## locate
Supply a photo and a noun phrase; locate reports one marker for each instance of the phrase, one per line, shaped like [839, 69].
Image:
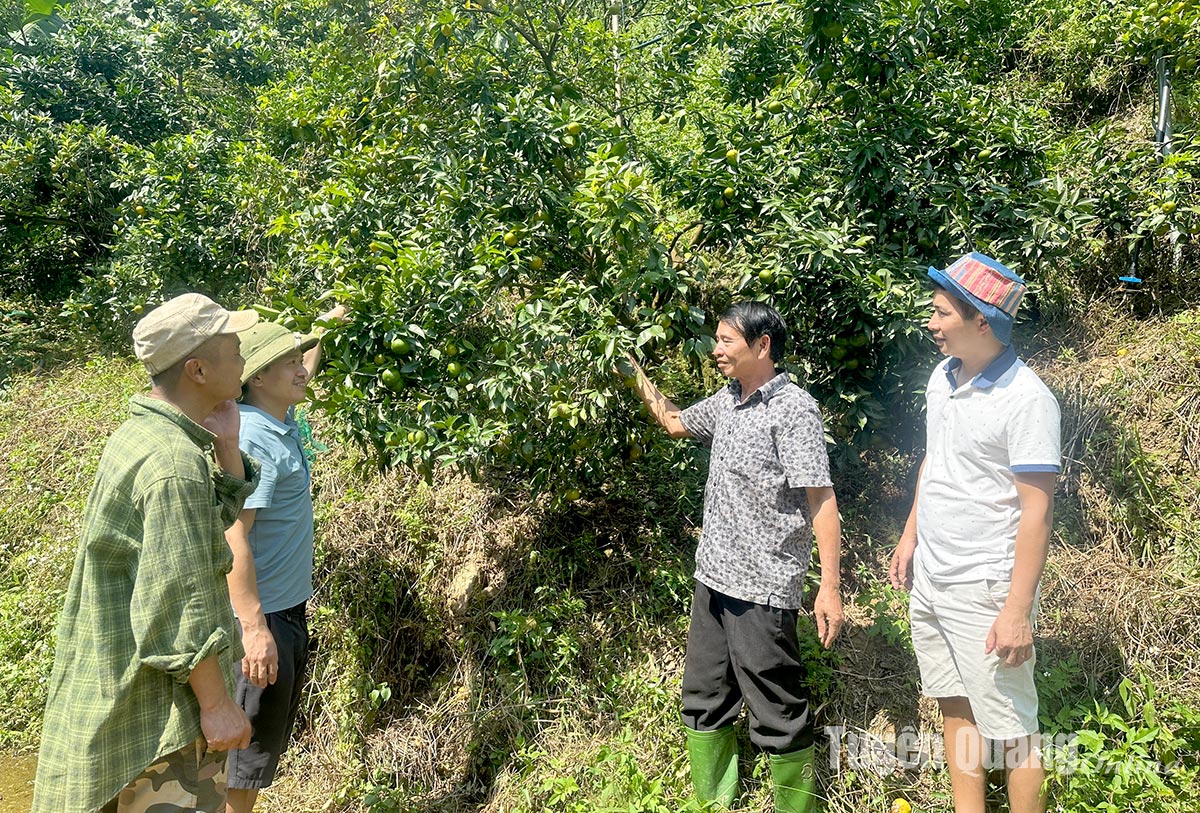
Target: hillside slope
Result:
[477, 651]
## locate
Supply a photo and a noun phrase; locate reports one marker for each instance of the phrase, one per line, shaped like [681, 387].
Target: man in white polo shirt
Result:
[973, 549]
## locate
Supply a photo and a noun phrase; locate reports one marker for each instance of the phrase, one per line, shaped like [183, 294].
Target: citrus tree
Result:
[511, 195]
[123, 147]
[831, 153]
[500, 250]
[505, 223]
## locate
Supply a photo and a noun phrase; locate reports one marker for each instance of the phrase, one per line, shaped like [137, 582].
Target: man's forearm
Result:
[827, 530]
[910, 525]
[207, 683]
[662, 409]
[312, 356]
[1032, 546]
[1036, 493]
[312, 359]
[243, 578]
[222, 721]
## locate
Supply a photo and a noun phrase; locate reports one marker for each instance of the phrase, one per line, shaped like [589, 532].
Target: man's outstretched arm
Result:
[663, 410]
[312, 356]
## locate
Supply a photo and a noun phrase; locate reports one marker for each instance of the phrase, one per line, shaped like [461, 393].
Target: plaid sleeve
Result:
[176, 608]
[232, 491]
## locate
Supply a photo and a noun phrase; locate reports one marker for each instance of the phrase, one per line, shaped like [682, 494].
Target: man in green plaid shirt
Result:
[140, 710]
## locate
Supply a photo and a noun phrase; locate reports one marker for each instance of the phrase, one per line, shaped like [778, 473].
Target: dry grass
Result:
[1124, 577]
[435, 556]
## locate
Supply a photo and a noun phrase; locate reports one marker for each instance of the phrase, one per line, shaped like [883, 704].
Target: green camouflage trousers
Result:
[181, 782]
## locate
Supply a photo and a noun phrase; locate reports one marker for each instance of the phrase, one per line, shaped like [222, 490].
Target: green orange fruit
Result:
[392, 379]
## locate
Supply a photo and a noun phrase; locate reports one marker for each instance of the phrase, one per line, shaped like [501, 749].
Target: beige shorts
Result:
[950, 625]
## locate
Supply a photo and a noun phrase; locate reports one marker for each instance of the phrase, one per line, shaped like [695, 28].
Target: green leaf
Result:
[38, 9]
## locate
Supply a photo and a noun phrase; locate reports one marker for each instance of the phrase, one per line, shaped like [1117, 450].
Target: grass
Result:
[478, 651]
[52, 430]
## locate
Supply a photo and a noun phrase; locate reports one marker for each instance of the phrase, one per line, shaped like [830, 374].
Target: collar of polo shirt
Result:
[990, 375]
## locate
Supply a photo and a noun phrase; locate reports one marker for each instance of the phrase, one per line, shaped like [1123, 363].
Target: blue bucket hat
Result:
[993, 288]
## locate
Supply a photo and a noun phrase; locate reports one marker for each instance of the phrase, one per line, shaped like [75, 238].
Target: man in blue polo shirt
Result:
[973, 549]
[272, 544]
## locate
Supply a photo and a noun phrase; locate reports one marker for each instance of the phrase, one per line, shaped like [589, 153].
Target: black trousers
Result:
[739, 651]
[272, 710]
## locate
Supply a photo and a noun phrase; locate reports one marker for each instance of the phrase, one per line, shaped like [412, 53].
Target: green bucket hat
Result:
[268, 342]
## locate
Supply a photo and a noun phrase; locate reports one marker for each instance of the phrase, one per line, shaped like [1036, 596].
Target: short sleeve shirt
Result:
[980, 435]
[757, 537]
[281, 539]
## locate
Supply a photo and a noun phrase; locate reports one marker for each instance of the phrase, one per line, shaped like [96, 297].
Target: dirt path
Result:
[16, 782]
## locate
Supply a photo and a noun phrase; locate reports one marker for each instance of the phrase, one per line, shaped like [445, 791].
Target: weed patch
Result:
[52, 430]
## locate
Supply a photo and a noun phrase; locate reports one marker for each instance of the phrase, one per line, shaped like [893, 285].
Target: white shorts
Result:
[950, 625]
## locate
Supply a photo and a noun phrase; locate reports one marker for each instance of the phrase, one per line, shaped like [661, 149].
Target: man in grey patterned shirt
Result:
[768, 494]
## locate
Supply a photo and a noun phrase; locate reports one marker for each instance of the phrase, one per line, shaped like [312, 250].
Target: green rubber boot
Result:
[713, 756]
[795, 779]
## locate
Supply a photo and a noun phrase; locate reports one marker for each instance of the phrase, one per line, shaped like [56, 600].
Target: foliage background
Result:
[509, 196]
